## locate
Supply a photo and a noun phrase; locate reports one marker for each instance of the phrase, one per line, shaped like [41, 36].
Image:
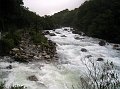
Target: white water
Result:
[66, 73]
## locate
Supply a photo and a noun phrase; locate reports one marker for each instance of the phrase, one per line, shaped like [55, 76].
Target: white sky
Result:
[49, 7]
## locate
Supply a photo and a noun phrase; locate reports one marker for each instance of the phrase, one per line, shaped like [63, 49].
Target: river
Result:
[64, 74]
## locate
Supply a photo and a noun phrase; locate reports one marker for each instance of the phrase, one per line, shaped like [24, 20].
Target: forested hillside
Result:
[97, 18]
[16, 20]
[13, 15]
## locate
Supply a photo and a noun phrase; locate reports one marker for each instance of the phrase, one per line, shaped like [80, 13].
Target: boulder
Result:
[44, 53]
[77, 32]
[84, 50]
[35, 57]
[9, 67]
[102, 43]
[21, 49]
[100, 59]
[57, 32]
[21, 58]
[52, 34]
[39, 46]
[116, 46]
[88, 56]
[46, 33]
[78, 38]
[65, 29]
[32, 78]
[63, 36]
[83, 34]
[30, 55]
[47, 56]
[74, 32]
[71, 28]
[15, 49]
[33, 46]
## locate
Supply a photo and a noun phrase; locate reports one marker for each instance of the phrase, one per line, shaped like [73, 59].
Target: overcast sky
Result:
[48, 7]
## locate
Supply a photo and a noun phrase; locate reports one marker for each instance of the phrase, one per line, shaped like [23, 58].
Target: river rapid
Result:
[64, 74]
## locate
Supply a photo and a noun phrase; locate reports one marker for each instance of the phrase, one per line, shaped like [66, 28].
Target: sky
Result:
[49, 7]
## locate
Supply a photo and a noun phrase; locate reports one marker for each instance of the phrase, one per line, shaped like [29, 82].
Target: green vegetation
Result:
[2, 86]
[97, 18]
[17, 16]
[13, 17]
[38, 38]
[99, 76]
[9, 41]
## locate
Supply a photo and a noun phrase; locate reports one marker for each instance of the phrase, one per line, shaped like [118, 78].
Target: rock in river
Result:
[9, 67]
[52, 34]
[32, 78]
[84, 50]
[102, 43]
[100, 59]
[116, 46]
[63, 36]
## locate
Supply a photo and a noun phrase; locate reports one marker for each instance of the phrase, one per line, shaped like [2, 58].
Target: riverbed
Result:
[66, 72]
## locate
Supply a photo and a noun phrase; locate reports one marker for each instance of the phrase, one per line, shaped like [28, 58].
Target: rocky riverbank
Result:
[29, 51]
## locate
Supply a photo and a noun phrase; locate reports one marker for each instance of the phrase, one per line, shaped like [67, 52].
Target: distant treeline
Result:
[97, 18]
[13, 15]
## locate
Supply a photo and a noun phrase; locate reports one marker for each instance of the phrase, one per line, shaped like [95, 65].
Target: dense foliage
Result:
[13, 15]
[97, 18]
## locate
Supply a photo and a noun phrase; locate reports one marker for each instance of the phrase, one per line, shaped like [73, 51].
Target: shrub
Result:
[100, 76]
[38, 38]
[6, 45]
[2, 86]
[9, 41]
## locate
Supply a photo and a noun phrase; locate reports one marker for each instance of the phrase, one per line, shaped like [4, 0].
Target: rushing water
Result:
[64, 74]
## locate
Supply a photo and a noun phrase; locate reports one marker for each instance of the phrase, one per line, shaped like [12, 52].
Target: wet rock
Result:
[102, 43]
[46, 33]
[21, 49]
[88, 56]
[21, 58]
[84, 50]
[77, 32]
[52, 34]
[31, 56]
[32, 78]
[83, 34]
[38, 46]
[33, 46]
[74, 32]
[44, 53]
[35, 57]
[63, 36]
[116, 46]
[41, 85]
[78, 38]
[24, 56]
[15, 49]
[100, 59]
[57, 32]
[65, 29]
[9, 67]
[71, 28]
[47, 56]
